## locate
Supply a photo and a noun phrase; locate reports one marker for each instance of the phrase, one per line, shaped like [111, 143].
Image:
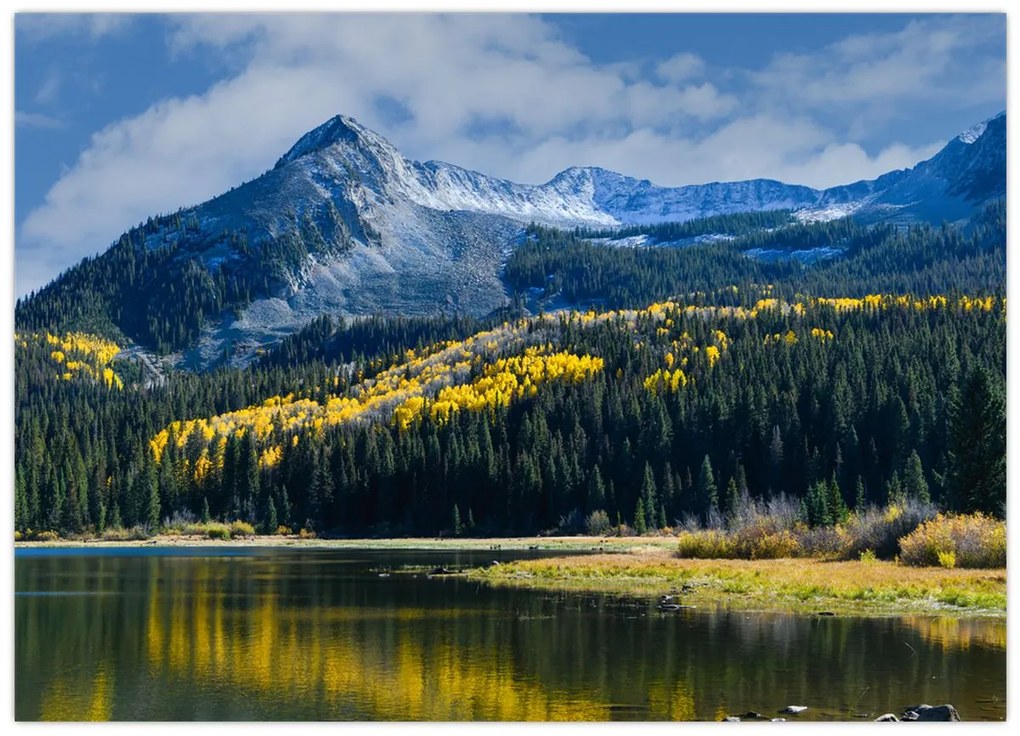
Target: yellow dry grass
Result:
[787, 584]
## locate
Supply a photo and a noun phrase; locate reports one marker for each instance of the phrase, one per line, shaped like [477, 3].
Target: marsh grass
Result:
[877, 587]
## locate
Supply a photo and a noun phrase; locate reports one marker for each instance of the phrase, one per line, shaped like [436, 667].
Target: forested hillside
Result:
[857, 260]
[653, 415]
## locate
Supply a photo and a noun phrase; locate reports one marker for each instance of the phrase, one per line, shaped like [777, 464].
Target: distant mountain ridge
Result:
[344, 223]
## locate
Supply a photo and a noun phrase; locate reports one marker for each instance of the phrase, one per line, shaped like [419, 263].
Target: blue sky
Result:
[120, 117]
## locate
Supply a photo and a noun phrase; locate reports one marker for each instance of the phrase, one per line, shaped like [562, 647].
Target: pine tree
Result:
[706, 495]
[596, 491]
[648, 494]
[640, 526]
[115, 520]
[271, 522]
[815, 505]
[205, 517]
[776, 460]
[915, 485]
[894, 490]
[457, 528]
[732, 497]
[860, 499]
[834, 505]
[977, 447]
[150, 514]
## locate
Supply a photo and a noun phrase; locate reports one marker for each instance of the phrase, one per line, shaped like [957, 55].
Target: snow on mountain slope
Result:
[344, 223]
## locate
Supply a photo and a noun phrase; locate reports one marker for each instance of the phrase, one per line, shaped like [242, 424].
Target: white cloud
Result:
[681, 67]
[23, 119]
[49, 89]
[551, 107]
[34, 27]
[922, 62]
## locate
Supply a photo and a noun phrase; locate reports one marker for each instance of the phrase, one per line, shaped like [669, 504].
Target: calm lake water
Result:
[214, 634]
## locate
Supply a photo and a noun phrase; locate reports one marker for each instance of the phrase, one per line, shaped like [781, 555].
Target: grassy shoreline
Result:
[646, 567]
[798, 585]
[572, 544]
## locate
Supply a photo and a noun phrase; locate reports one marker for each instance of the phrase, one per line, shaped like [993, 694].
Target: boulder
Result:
[794, 709]
[887, 718]
[731, 719]
[930, 713]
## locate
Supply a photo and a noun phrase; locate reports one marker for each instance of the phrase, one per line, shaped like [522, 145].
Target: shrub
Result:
[822, 541]
[241, 529]
[968, 540]
[177, 523]
[215, 530]
[597, 524]
[868, 556]
[780, 512]
[47, 536]
[306, 533]
[705, 544]
[762, 542]
[194, 530]
[284, 531]
[120, 534]
[880, 530]
[571, 523]
[17, 536]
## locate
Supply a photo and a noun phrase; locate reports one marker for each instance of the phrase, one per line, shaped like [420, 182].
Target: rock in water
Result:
[794, 709]
[931, 713]
[731, 719]
[887, 718]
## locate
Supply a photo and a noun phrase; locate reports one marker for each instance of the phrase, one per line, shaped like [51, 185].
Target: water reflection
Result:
[323, 636]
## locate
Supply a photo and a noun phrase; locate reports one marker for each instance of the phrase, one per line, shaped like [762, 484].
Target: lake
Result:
[284, 634]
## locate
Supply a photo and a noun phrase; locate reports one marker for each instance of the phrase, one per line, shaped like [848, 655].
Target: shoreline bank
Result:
[586, 544]
[646, 567]
[793, 585]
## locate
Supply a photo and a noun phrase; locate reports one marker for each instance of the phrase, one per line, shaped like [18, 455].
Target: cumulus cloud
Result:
[680, 67]
[506, 95]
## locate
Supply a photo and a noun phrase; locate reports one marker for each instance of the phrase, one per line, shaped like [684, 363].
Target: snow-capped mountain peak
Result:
[345, 223]
[972, 134]
[338, 129]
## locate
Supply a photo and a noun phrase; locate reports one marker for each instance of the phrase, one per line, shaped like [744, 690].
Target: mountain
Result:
[344, 223]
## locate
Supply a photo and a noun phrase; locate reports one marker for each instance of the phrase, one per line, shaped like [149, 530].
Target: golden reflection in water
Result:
[958, 633]
[64, 702]
[372, 658]
[675, 703]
